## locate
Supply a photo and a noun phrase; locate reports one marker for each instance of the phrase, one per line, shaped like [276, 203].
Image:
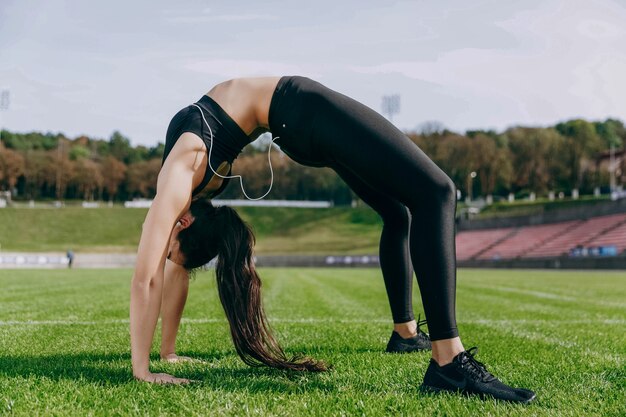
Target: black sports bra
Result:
[229, 140]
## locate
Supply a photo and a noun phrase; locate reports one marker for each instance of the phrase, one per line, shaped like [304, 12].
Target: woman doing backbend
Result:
[314, 126]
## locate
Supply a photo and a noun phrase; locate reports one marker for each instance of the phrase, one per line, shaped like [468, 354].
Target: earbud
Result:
[235, 176]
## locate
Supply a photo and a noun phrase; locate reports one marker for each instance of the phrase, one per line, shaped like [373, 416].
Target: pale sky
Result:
[87, 67]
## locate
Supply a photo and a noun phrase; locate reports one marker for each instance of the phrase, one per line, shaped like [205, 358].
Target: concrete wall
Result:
[57, 260]
[118, 260]
[346, 261]
[615, 262]
[552, 216]
[9, 260]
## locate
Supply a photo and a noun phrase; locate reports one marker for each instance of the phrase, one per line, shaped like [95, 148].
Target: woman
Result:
[314, 126]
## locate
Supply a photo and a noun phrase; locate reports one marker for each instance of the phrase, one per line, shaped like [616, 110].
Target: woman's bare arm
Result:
[175, 289]
[173, 198]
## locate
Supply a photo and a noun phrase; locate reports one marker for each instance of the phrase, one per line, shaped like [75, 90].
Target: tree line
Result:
[522, 160]
[518, 160]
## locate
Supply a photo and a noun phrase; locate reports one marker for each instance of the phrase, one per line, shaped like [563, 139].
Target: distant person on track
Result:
[70, 258]
[315, 126]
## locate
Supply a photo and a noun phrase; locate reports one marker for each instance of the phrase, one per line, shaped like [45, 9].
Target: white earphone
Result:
[235, 176]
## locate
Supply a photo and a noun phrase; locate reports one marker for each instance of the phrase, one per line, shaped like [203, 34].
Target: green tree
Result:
[87, 178]
[141, 178]
[119, 146]
[528, 149]
[113, 174]
[78, 152]
[612, 132]
[492, 161]
[582, 143]
[11, 166]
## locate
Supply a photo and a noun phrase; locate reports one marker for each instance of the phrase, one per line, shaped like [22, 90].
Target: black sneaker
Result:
[465, 374]
[419, 342]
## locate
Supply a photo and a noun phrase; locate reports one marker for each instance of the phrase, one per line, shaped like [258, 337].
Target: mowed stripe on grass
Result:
[64, 345]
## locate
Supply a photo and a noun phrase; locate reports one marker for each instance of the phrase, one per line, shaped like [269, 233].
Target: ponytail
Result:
[226, 235]
[239, 289]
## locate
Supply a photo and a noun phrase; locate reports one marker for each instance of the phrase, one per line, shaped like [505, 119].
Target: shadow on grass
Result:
[95, 367]
[115, 369]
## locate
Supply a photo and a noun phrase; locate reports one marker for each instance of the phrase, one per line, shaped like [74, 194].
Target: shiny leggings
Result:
[414, 197]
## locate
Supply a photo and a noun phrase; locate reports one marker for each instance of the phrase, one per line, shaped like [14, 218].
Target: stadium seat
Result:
[542, 241]
[583, 235]
[472, 242]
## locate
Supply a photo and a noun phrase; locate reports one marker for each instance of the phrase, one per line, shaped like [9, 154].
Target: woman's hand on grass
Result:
[162, 378]
[174, 358]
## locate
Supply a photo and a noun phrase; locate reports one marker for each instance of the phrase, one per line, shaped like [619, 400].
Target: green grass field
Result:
[64, 346]
[279, 230]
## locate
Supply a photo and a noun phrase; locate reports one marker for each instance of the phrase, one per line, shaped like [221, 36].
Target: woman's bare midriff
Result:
[246, 100]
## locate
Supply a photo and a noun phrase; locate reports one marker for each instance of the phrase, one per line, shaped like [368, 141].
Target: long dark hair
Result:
[219, 231]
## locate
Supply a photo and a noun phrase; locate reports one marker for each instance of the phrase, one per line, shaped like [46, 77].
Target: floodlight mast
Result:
[5, 101]
[391, 105]
[612, 167]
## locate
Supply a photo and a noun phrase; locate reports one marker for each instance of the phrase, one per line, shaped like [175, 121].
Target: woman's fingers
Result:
[162, 378]
[170, 379]
[173, 358]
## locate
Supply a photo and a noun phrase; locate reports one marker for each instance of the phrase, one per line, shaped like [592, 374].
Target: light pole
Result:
[470, 177]
[612, 167]
[391, 105]
[59, 168]
[4, 105]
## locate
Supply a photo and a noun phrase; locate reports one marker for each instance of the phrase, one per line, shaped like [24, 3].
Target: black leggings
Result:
[319, 127]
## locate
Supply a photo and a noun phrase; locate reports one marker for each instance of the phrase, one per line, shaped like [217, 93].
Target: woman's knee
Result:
[439, 193]
[446, 191]
[395, 214]
[443, 193]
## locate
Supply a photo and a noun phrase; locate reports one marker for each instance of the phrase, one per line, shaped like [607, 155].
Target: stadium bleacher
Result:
[470, 244]
[542, 241]
[583, 235]
[615, 236]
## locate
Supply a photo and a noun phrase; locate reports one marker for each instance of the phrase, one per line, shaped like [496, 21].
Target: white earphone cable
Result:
[239, 176]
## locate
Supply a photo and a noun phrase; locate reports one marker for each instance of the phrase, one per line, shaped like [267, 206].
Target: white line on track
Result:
[548, 295]
[485, 322]
[571, 344]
